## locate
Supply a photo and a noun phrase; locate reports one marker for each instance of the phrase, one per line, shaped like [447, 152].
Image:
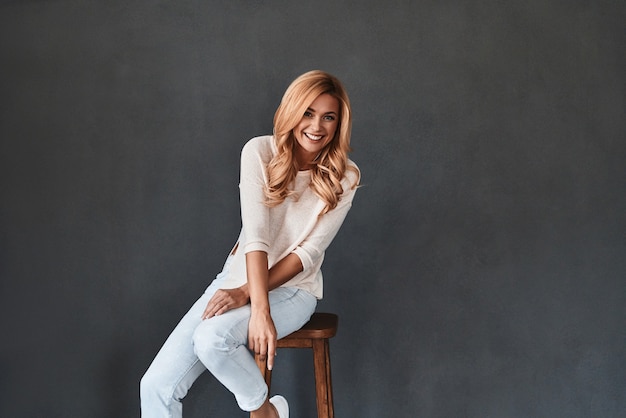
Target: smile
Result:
[313, 137]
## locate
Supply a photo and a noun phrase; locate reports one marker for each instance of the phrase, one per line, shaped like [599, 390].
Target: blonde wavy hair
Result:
[331, 163]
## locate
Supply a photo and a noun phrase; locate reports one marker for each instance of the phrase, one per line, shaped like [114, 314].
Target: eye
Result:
[329, 118]
[307, 114]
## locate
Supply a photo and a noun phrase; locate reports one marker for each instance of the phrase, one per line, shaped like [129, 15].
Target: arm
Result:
[254, 218]
[261, 329]
[226, 299]
[304, 256]
[312, 248]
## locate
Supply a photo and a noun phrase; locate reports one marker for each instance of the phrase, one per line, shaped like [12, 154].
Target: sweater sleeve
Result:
[312, 248]
[254, 213]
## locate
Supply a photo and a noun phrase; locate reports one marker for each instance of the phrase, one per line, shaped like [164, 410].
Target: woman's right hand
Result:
[226, 299]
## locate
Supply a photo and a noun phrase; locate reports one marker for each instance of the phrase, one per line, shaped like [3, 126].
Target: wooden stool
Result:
[314, 334]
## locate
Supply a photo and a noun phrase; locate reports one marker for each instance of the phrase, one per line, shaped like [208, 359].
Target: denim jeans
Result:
[218, 344]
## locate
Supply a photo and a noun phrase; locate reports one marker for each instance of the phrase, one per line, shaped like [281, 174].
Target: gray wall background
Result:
[481, 270]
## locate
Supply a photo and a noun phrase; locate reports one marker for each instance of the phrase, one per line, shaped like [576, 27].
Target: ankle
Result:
[274, 411]
[267, 410]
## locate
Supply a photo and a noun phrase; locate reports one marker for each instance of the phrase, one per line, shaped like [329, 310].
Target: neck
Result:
[306, 161]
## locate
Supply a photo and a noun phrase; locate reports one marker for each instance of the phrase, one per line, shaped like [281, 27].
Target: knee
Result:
[206, 339]
[211, 340]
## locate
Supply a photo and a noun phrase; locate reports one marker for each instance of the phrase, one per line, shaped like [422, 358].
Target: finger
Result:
[261, 354]
[224, 304]
[222, 309]
[260, 348]
[255, 346]
[271, 353]
[206, 313]
[214, 305]
[209, 311]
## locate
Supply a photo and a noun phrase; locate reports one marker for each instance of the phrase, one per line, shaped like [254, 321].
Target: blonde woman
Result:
[296, 187]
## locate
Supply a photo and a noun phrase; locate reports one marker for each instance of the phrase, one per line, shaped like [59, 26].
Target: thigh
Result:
[291, 308]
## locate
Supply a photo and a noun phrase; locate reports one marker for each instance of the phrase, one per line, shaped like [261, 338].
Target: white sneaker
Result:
[281, 406]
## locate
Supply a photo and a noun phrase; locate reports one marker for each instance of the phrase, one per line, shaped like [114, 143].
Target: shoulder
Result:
[258, 148]
[352, 176]
[260, 145]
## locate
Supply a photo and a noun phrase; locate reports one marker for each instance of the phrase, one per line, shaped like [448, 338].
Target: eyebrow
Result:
[327, 113]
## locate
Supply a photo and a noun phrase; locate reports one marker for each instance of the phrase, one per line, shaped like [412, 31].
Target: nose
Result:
[315, 123]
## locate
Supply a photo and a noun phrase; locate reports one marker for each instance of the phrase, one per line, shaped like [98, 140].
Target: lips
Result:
[313, 137]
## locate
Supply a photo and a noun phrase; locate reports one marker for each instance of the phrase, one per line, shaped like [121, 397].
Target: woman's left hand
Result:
[224, 300]
[262, 337]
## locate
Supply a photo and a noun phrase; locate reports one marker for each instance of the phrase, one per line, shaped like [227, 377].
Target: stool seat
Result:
[321, 325]
[315, 335]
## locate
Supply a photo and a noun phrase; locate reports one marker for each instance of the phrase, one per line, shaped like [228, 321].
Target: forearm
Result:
[261, 329]
[279, 274]
[284, 270]
[258, 280]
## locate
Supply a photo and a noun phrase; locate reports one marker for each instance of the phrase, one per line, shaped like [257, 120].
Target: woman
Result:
[296, 188]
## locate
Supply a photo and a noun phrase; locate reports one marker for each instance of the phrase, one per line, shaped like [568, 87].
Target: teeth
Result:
[313, 137]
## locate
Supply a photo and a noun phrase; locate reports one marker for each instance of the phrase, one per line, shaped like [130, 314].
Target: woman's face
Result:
[316, 129]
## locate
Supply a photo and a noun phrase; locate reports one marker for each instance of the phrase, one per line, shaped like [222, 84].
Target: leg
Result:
[176, 366]
[221, 344]
[173, 370]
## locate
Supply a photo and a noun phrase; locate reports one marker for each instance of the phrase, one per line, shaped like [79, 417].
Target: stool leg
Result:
[323, 381]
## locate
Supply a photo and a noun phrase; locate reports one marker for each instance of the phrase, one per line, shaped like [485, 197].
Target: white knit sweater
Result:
[293, 226]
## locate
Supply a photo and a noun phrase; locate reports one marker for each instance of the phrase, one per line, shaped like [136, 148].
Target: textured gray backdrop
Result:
[481, 272]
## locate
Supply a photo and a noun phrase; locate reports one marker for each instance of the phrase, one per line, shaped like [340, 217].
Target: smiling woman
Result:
[315, 130]
[330, 163]
[296, 188]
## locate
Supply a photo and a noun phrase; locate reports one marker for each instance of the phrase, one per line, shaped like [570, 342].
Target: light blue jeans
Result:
[218, 344]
